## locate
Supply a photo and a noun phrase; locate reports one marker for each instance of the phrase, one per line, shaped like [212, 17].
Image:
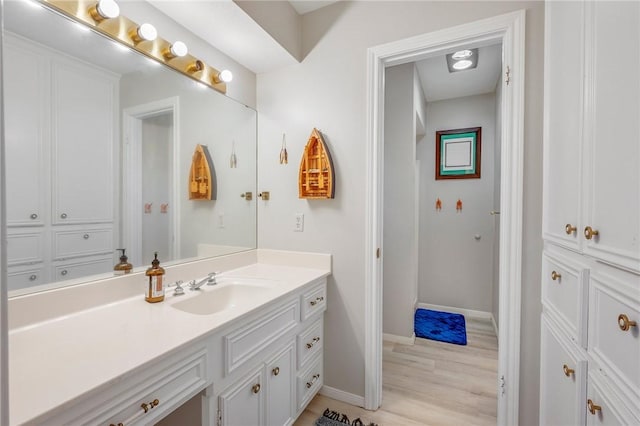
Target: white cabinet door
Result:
[83, 144]
[280, 373]
[612, 184]
[562, 380]
[602, 408]
[25, 130]
[564, 41]
[243, 402]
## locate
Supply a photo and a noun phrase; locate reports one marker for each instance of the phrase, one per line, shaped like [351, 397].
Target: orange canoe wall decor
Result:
[202, 176]
[316, 178]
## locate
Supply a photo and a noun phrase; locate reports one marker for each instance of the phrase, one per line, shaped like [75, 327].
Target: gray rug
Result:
[333, 418]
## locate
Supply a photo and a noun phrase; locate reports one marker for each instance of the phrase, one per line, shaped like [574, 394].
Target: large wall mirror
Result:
[99, 143]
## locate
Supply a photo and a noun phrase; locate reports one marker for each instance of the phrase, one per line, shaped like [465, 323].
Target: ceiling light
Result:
[462, 54]
[462, 65]
[145, 32]
[176, 50]
[104, 9]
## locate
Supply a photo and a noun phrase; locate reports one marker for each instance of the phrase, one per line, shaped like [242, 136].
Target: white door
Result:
[280, 375]
[243, 402]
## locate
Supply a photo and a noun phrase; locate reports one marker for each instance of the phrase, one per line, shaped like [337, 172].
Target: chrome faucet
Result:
[210, 280]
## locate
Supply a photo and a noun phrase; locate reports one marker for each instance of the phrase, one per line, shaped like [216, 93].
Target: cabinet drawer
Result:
[613, 342]
[563, 374]
[314, 301]
[27, 278]
[247, 341]
[84, 242]
[607, 409]
[69, 271]
[309, 382]
[310, 342]
[564, 292]
[24, 248]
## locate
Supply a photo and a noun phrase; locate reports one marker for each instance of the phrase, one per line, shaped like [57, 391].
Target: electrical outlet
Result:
[299, 226]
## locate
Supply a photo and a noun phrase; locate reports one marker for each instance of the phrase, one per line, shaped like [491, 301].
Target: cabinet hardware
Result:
[569, 229]
[593, 407]
[63, 216]
[64, 272]
[313, 342]
[85, 236]
[265, 195]
[567, 371]
[119, 424]
[318, 300]
[247, 195]
[589, 233]
[33, 277]
[255, 388]
[275, 371]
[555, 276]
[313, 380]
[624, 323]
[34, 216]
[146, 407]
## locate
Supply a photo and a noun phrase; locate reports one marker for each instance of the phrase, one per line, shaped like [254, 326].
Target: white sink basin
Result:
[228, 294]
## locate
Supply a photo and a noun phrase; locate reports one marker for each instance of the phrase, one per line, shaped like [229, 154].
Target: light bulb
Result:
[105, 9]
[461, 65]
[147, 32]
[178, 49]
[462, 54]
[226, 76]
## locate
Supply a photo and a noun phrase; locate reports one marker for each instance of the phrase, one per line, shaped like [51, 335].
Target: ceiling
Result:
[439, 84]
[306, 6]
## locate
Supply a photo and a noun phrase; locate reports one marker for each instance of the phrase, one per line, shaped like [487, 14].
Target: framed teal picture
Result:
[458, 153]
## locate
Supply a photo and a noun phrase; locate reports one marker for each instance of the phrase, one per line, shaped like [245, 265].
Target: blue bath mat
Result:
[440, 326]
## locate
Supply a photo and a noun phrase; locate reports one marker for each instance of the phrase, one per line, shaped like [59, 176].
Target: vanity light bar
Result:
[102, 17]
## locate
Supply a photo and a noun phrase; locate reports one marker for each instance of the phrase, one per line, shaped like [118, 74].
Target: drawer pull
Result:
[64, 272]
[85, 236]
[34, 216]
[593, 408]
[569, 229]
[119, 424]
[567, 371]
[255, 388]
[275, 371]
[313, 380]
[318, 300]
[589, 233]
[313, 342]
[63, 216]
[146, 407]
[555, 276]
[33, 277]
[624, 323]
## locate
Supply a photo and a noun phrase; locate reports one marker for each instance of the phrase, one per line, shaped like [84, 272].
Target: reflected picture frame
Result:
[458, 153]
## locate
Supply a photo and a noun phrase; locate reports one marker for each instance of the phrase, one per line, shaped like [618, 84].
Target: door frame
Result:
[510, 29]
[132, 178]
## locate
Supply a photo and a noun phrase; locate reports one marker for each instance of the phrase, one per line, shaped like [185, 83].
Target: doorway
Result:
[509, 30]
[150, 183]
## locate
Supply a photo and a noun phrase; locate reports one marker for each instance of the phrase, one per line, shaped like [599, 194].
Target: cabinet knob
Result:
[33, 277]
[567, 371]
[570, 229]
[148, 406]
[85, 236]
[318, 300]
[63, 216]
[64, 272]
[555, 276]
[275, 371]
[589, 233]
[593, 408]
[34, 216]
[255, 388]
[624, 323]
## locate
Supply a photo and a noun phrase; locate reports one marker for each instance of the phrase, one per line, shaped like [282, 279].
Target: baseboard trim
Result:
[495, 325]
[466, 312]
[403, 340]
[342, 396]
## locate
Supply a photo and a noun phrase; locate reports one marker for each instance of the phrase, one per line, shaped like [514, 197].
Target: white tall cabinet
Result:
[590, 342]
[60, 121]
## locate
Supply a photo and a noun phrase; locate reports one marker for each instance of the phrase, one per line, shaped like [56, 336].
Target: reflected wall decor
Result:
[458, 153]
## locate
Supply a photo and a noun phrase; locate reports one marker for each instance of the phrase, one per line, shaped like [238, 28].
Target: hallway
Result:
[431, 383]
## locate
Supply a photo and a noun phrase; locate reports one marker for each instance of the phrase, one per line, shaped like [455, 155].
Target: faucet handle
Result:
[178, 291]
[192, 285]
[212, 278]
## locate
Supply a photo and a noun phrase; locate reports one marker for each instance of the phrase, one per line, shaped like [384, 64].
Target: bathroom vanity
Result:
[251, 345]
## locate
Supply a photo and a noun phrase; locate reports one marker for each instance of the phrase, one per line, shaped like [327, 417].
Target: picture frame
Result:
[458, 153]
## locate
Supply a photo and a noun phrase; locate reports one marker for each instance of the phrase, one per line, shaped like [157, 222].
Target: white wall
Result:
[399, 246]
[456, 269]
[328, 90]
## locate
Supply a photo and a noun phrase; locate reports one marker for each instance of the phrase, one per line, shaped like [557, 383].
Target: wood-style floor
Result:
[430, 383]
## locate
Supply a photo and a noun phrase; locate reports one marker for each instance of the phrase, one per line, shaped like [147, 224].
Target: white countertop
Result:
[51, 363]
